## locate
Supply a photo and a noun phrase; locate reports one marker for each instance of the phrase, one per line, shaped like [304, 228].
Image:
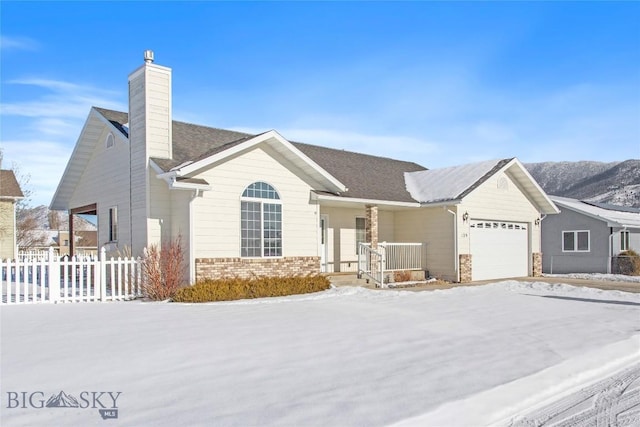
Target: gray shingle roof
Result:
[9, 186]
[365, 176]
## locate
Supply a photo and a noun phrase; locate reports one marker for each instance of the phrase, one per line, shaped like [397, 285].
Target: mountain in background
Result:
[617, 183]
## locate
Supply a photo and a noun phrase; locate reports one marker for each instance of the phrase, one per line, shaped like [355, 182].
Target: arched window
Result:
[260, 221]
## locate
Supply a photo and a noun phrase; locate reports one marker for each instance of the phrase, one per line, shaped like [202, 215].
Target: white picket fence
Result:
[77, 279]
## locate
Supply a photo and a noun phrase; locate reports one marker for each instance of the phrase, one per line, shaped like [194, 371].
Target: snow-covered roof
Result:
[437, 185]
[451, 185]
[614, 218]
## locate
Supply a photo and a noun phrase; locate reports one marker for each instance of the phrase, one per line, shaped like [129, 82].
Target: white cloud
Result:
[18, 43]
[41, 136]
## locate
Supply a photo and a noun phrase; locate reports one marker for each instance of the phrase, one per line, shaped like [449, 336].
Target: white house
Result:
[260, 204]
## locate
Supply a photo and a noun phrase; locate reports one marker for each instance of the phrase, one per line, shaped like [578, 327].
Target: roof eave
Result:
[333, 183]
[353, 200]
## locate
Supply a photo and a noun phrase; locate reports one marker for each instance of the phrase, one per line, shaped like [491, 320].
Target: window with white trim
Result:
[361, 232]
[113, 224]
[624, 240]
[576, 241]
[260, 221]
[109, 140]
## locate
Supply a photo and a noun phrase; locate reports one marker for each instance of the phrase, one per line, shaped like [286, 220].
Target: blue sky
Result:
[436, 83]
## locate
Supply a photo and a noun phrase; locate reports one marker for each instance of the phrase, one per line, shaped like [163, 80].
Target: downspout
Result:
[610, 250]
[192, 259]
[455, 242]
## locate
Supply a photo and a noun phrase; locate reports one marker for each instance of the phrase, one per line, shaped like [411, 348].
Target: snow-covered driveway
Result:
[344, 357]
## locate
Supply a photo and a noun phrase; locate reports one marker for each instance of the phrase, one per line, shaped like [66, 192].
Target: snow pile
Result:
[347, 356]
[598, 276]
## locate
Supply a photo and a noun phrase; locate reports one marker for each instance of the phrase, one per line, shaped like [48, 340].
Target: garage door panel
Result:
[499, 250]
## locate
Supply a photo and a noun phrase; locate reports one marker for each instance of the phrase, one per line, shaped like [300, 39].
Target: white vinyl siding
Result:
[576, 241]
[105, 180]
[217, 221]
[499, 198]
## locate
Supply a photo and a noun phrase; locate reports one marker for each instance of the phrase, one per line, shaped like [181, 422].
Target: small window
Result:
[624, 240]
[66, 242]
[361, 232]
[113, 224]
[110, 141]
[575, 241]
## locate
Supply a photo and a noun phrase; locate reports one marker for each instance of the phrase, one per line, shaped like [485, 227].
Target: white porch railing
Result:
[77, 279]
[389, 257]
[371, 263]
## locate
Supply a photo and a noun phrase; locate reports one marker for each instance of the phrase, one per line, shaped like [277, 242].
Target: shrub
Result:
[402, 276]
[627, 262]
[259, 287]
[163, 269]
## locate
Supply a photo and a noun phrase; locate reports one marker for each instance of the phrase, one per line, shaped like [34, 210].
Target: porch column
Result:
[371, 225]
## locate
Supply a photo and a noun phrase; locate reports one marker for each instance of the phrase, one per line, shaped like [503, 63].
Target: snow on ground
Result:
[347, 356]
[598, 276]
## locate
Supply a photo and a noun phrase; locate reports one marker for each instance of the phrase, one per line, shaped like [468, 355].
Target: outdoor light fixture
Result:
[465, 216]
[537, 221]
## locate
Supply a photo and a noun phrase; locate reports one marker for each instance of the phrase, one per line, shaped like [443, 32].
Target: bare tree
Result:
[29, 231]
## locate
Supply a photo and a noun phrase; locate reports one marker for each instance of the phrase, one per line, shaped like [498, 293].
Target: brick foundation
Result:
[465, 268]
[536, 264]
[217, 268]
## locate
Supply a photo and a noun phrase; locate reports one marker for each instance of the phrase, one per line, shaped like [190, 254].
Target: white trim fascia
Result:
[170, 179]
[176, 185]
[326, 198]
[11, 198]
[594, 216]
[442, 203]
[192, 167]
[533, 181]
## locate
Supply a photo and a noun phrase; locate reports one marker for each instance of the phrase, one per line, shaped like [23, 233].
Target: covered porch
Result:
[371, 240]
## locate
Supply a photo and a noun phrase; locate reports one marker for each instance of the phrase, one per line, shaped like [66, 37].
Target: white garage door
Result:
[498, 250]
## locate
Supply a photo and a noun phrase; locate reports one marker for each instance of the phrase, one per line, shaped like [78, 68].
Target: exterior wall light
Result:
[465, 216]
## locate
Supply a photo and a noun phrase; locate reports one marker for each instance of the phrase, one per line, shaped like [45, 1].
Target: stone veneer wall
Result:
[217, 268]
[537, 264]
[371, 225]
[465, 268]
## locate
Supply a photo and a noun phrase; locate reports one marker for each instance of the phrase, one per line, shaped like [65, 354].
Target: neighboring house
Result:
[585, 235]
[10, 193]
[86, 242]
[260, 204]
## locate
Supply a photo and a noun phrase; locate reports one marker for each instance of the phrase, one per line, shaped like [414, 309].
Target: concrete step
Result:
[346, 280]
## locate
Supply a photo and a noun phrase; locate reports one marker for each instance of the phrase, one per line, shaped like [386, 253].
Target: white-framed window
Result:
[576, 241]
[361, 231]
[109, 141]
[260, 221]
[624, 240]
[113, 224]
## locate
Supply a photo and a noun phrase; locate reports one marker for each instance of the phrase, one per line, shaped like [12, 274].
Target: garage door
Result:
[498, 250]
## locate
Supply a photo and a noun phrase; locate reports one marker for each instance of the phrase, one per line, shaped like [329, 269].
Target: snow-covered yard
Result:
[344, 357]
